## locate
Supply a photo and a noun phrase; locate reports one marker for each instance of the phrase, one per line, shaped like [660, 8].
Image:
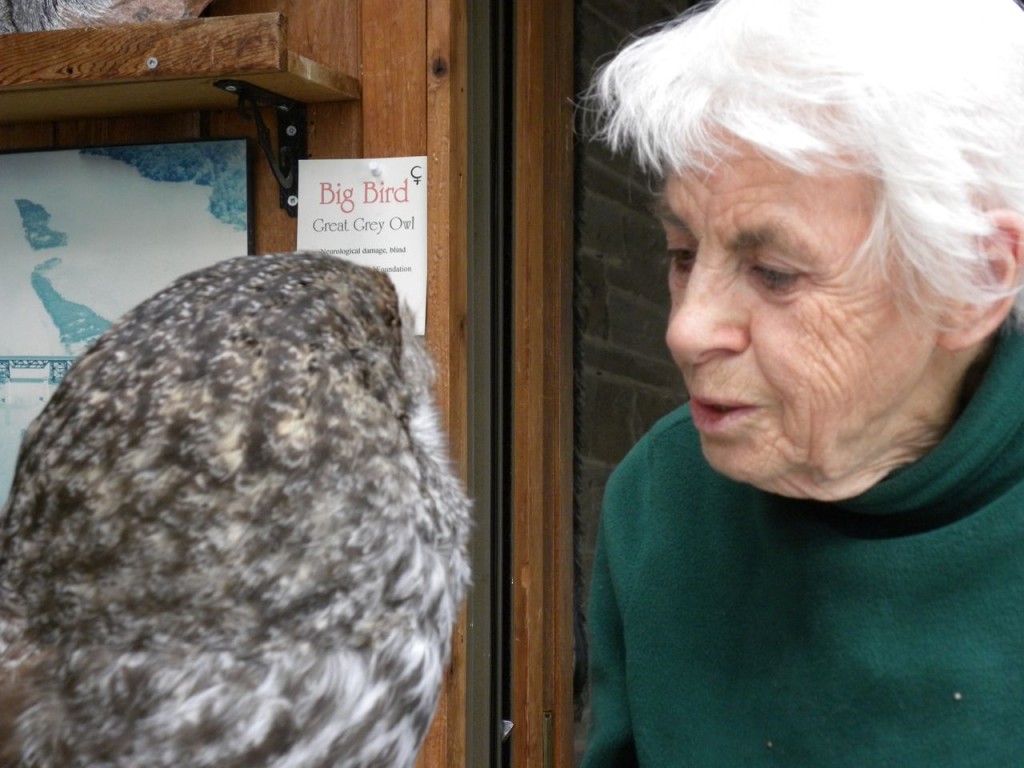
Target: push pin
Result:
[375, 169]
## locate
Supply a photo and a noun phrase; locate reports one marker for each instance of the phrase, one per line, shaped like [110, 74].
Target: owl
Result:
[37, 15]
[233, 537]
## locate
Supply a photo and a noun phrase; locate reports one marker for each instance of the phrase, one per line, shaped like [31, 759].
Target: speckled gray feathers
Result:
[233, 537]
[41, 15]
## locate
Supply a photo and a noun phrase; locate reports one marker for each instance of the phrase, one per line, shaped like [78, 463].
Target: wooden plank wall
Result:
[409, 55]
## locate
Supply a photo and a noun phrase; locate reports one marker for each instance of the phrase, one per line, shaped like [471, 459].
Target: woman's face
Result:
[805, 377]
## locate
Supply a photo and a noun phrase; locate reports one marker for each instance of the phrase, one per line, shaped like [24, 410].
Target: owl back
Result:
[236, 509]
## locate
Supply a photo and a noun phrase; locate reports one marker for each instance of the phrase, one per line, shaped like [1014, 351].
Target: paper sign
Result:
[370, 211]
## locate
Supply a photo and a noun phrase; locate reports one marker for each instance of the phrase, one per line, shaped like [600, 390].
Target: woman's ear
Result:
[972, 323]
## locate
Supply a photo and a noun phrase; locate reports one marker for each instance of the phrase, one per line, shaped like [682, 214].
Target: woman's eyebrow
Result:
[666, 215]
[748, 240]
[752, 239]
[774, 233]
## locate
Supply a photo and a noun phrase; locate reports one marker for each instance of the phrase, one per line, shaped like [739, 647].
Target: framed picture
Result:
[86, 234]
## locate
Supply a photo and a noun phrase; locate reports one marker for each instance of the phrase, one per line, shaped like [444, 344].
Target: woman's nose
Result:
[708, 317]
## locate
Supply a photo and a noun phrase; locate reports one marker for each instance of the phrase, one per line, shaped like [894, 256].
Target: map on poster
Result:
[85, 234]
[373, 212]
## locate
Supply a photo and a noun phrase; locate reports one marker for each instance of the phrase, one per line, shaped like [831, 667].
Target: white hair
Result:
[924, 96]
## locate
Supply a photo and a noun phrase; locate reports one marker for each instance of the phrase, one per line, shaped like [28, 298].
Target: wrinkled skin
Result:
[806, 377]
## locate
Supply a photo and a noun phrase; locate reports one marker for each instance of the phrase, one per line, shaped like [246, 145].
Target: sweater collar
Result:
[982, 453]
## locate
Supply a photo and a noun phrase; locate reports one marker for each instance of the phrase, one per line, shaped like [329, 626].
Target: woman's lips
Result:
[710, 416]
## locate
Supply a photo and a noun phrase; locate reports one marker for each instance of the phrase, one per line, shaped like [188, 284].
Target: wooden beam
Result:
[413, 103]
[444, 65]
[542, 387]
[394, 76]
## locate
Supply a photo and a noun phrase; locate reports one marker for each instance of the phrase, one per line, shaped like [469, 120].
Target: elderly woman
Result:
[820, 560]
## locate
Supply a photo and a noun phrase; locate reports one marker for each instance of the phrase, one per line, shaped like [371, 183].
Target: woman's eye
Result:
[774, 280]
[680, 260]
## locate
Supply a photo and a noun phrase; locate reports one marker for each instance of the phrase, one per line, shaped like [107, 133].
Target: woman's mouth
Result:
[711, 416]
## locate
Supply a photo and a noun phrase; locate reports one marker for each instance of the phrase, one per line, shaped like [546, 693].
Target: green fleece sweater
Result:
[730, 627]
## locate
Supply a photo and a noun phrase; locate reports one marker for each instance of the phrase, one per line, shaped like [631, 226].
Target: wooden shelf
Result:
[156, 67]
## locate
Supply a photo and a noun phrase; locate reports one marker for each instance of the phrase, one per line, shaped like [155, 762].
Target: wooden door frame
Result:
[542, 389]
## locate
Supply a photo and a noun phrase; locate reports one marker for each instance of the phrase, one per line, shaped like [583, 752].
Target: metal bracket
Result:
[291, 134]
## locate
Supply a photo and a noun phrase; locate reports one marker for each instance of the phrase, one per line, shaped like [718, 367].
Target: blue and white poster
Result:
[85, 234]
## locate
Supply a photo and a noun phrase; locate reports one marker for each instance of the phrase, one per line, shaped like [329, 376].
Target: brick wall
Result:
[625, 377]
